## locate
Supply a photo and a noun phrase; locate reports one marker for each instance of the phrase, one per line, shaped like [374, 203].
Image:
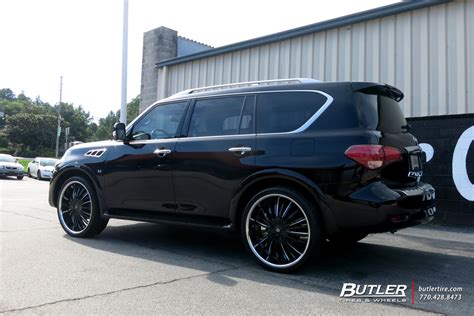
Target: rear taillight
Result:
[373, 156]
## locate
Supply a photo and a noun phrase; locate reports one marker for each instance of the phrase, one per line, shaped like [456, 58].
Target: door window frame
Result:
[187, 122]
[178, 133]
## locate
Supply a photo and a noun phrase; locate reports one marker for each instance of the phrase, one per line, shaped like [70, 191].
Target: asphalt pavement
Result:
[143, 268]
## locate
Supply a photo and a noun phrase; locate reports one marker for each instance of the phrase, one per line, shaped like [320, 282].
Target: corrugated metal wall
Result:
[427, 53]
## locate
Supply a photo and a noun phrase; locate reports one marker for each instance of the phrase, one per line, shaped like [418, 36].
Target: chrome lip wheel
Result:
[277, 231]
[75, 207]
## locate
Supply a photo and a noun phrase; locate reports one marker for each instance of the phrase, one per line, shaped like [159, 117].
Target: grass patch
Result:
[24, 163]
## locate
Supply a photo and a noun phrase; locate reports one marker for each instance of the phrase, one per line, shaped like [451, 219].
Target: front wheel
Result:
[78, 209]
[280, 227]
[19, 177]
[38, 175]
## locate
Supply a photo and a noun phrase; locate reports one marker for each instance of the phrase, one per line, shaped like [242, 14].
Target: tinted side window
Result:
[286, 111]
[213, 117]
[161, 122]
[391, 118]
[381, 113]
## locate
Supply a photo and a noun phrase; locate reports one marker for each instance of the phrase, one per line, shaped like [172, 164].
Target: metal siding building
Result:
[424, 48]
[427, 53]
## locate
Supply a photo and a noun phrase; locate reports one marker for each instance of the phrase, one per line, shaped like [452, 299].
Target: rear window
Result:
[381, 113]
[286, 111]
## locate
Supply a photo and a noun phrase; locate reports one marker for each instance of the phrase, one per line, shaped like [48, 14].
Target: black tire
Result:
[281, 238]
[19, 177]
[38, 175]
[346, 239]
[29, 174]
[78, 209]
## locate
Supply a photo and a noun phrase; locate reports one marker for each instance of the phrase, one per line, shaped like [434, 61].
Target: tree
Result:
[7, 94]
[105, 126]
[31, 131]
[77, 120]
[132, 109]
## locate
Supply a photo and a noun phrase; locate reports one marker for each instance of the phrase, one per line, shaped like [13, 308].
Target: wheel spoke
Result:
[284, 252]
[286, 209]
[294, 249]
[269, 251]
[261, 241]
[300, 220]
[259, 223]
[296, 233]
[277, 205]
[264, 213]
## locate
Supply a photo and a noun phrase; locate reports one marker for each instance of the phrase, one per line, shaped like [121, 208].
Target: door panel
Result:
[138, 173]
[207, 174]
[219, 155]
[137, 178]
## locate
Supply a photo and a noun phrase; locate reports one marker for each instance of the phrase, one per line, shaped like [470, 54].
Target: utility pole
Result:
[123, 107]
[58, 133]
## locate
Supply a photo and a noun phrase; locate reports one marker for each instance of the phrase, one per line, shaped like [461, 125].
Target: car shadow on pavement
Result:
[362, 263]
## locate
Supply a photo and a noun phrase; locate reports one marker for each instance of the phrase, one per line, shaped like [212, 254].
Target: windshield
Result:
[6, 158]
[48, 162]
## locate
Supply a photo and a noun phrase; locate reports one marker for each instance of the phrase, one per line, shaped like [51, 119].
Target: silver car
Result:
[10, 167]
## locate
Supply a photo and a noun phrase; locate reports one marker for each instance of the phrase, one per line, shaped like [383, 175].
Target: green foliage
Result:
[31, 131]
[28, 127]
[106, 125]
[132, 109]
[24, 163]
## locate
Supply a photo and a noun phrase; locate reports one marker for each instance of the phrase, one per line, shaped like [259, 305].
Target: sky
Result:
[81, 40]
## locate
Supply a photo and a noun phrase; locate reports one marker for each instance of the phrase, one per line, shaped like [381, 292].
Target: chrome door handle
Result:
[241, 150]
[162, 152]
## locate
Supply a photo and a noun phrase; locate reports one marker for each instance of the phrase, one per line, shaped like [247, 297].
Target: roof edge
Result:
[358, 17]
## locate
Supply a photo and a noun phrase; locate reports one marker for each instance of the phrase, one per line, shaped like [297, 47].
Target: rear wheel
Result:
[78, 209]
[281, 229]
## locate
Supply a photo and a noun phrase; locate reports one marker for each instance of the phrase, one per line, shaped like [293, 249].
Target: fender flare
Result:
[75, 168]
[285, 175]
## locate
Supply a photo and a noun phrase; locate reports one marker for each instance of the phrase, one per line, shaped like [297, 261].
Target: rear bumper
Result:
[393, 209]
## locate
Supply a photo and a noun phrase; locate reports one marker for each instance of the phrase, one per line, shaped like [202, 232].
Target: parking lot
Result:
[144, 268]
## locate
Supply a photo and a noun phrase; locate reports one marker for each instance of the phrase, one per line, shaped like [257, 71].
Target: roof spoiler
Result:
[379, 89]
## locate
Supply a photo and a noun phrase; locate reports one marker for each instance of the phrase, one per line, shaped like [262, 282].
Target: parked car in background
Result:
[41, 168]
[10, 167]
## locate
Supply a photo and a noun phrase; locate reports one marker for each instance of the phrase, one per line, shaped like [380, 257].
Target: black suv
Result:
[289, 164]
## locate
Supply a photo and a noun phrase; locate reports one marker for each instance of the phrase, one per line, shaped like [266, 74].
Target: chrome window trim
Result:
[302, 128]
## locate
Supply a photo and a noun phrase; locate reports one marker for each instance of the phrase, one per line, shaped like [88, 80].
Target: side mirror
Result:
[119, 131]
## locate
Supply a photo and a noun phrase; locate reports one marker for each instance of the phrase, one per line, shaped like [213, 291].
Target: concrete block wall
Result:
[443, 133]
[158, 44]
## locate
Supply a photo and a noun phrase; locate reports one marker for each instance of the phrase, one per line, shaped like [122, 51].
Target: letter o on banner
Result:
[461, 180]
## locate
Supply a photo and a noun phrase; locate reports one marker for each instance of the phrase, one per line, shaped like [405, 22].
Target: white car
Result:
[41, 168]
[10, 167]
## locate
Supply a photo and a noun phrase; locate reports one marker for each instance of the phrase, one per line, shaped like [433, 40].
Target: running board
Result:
[172, 219]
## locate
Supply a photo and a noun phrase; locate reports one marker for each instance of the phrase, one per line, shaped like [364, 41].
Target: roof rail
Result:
[246, 84]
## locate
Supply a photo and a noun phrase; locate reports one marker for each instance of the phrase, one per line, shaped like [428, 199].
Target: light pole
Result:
[58, 133]
[123, 107]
